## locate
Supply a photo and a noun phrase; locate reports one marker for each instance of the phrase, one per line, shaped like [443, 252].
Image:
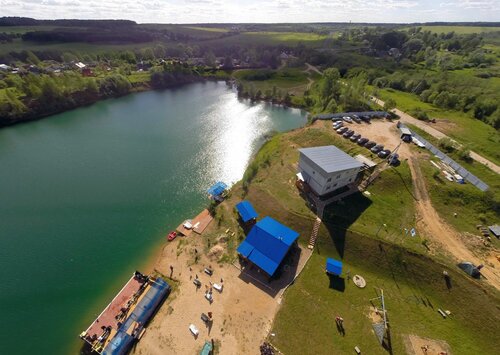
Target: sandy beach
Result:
[242, 312]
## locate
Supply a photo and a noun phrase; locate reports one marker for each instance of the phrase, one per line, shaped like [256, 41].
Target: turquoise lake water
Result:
[87, 195]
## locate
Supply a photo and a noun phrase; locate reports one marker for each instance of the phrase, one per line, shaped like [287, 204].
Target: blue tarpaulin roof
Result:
[217, 189]
[267, 244]
[333, 266]
[246, 211]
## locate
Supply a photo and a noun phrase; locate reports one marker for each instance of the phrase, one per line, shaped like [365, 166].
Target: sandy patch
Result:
[242, 313]
[375, 315]
[417, 345]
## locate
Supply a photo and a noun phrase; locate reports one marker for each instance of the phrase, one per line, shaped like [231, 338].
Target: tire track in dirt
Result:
[440, 232]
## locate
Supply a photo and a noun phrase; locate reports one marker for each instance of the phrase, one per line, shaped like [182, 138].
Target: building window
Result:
[334, 185]
[329, 179]
[314, 172]
[350, 179]
[338, 177]
[328, 187]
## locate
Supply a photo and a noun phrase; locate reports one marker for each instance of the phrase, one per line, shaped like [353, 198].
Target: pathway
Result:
[437, 134]
[313, 68]
[440, 232]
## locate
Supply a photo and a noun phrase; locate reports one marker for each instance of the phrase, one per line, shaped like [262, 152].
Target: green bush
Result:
[447, 145]
[420, 114]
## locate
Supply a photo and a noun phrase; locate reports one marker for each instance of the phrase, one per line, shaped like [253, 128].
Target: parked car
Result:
[348, 133]
[355, 137]
[347, 119]
[377, 148]
[365, 118]
[370, 144]
[337, 124]
[356, 119]
[362, 141]
[342, 130]
[394, 159]
[384, 153]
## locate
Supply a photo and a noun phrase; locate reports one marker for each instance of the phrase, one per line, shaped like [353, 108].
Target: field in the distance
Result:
[460, 29]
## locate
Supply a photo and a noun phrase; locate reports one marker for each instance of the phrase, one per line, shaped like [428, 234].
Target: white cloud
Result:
[193, 11]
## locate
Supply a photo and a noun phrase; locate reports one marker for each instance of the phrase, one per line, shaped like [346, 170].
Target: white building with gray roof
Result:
[326, 169]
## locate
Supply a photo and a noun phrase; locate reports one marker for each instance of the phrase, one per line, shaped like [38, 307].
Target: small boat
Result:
[171, 236]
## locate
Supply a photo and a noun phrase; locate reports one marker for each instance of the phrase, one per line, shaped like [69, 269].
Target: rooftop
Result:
[267, 244]
[330, 158]
[217, 189]
[246, 211]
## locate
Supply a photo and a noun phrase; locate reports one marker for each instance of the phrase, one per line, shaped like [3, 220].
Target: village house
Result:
[326, 169]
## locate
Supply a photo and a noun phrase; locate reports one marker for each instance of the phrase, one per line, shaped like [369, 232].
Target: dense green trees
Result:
[114, 85]
[30, 96]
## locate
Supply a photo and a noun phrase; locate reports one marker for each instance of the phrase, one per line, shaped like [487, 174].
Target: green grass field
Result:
[292, 80]
[390, 193]
[139, 77]
[208, 29]
[477, 135]
[24, 29]
[465, 200]
[414, 289]
[460, 29]
[82, 48]
[272, 38]
[413, 283]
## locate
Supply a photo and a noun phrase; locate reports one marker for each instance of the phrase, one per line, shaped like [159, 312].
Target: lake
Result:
[87, 196]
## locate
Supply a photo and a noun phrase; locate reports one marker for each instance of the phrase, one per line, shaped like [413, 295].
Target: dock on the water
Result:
[122, 322]
[199, 224]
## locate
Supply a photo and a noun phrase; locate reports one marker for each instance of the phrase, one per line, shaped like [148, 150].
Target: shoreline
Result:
[142, 87]
[149, 262]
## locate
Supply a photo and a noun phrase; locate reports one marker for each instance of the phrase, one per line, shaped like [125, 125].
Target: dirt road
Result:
[313, 68]
[429, 224]
[406, 118]
[432, 131]
[434, 228]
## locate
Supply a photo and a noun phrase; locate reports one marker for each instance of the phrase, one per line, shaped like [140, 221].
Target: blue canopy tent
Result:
[333, 266]
[267, 244]
[217, 190]
[246, 211]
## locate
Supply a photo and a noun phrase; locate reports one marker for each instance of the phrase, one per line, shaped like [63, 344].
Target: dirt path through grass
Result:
[438, 231]
[312, 68]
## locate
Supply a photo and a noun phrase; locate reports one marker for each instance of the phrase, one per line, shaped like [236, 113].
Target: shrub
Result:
[447, 145]
[420, 114]
[464, 154]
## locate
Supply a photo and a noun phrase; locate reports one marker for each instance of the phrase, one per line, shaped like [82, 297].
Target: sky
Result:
[240, 11]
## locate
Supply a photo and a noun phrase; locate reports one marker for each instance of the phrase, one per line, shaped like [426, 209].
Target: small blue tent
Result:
[217, 189]
[333, 266]
[246, 211]
[267, 244]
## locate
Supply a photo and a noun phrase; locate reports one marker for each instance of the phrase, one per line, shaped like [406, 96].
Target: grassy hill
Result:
[412, 281]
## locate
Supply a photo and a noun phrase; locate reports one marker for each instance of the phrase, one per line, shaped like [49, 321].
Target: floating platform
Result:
[122, 322]
[199, 223]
